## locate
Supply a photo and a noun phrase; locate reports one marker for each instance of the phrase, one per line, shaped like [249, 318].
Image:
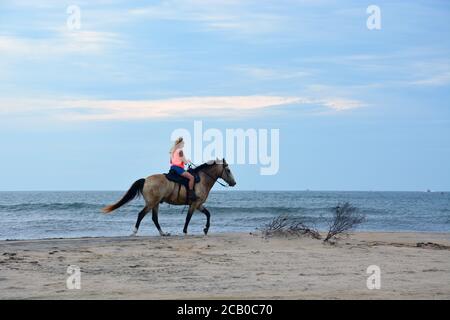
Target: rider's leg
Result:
[191, 179]
[191, 193]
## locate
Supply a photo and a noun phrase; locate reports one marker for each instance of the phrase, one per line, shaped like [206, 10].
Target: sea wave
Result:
[286, 210]
[34, 215]
[57, 206]
[71, 206]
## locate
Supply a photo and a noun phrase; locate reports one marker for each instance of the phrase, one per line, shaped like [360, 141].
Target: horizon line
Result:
[246, 190]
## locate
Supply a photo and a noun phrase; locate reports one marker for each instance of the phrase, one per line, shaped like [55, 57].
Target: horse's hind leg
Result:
[208, 217]
[155, 211]
[139, 219]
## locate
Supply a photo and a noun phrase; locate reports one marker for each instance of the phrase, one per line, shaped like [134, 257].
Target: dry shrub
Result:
[345, 218]
[285, 225]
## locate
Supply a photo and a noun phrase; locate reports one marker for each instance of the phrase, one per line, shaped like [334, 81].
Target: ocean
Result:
[39, 215]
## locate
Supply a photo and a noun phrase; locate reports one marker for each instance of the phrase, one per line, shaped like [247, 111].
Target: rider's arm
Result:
[183, 158]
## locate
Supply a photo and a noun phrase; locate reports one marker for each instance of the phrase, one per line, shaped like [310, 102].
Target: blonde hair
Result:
[176, 143]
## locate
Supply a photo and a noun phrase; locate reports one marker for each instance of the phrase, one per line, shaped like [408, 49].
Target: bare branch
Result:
[345, 218]
[284, 225]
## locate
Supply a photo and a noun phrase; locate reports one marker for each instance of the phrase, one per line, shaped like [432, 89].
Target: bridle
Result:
[216, 179]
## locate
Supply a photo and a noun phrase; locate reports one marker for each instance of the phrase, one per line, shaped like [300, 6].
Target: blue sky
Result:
[357, 109]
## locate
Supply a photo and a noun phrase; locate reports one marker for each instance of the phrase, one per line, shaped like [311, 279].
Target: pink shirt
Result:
[176, 159]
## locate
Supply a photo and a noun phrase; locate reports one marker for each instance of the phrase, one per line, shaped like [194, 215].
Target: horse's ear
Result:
[224, 161]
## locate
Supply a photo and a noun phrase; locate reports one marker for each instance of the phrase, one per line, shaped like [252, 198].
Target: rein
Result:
[216, 179]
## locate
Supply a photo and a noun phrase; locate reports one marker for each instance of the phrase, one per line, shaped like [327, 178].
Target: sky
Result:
[94, 107]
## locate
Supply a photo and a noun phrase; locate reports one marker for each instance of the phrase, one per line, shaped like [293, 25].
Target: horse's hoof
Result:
[205, 231]
[165, 234]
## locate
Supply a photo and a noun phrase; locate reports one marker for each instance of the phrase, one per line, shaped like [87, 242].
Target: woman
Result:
[177, 162]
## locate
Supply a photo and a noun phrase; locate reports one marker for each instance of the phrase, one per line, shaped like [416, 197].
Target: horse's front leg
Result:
[188, 218]
[208, 217]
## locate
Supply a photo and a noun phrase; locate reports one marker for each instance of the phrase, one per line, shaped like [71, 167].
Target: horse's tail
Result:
[134, 191]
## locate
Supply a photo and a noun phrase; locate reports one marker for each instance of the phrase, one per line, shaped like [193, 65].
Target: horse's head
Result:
[226, 174]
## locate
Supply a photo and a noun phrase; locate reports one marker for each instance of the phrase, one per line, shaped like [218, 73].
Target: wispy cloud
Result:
[405, 68]
[340, 104]
[264, 73]
[59, 42]
[216, 106]
[240, 16]
[431, 72]
[440, 79]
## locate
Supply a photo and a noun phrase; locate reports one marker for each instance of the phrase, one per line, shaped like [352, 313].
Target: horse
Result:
[158, 189]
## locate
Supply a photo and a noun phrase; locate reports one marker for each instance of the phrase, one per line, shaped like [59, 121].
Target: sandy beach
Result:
[227, 266]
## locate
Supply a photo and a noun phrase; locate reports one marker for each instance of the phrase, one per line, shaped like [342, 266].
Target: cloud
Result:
[60, 42]
[418, 67]
[340, 104]
[175, 108]
[263, 73]
[432, 72]
[441, 79]
[244, 17]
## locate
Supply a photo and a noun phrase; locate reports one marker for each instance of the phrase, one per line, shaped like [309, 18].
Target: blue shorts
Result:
[177, 169]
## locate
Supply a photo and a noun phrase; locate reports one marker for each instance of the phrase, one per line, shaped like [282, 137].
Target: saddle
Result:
[175, 177]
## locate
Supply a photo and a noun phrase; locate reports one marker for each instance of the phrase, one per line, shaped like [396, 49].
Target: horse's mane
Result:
[204, 166]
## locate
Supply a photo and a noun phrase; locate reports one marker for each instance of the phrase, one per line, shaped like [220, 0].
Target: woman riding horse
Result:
[157, 189]
[177, 161]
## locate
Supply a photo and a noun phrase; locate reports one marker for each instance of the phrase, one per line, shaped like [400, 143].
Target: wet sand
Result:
[228, 266]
